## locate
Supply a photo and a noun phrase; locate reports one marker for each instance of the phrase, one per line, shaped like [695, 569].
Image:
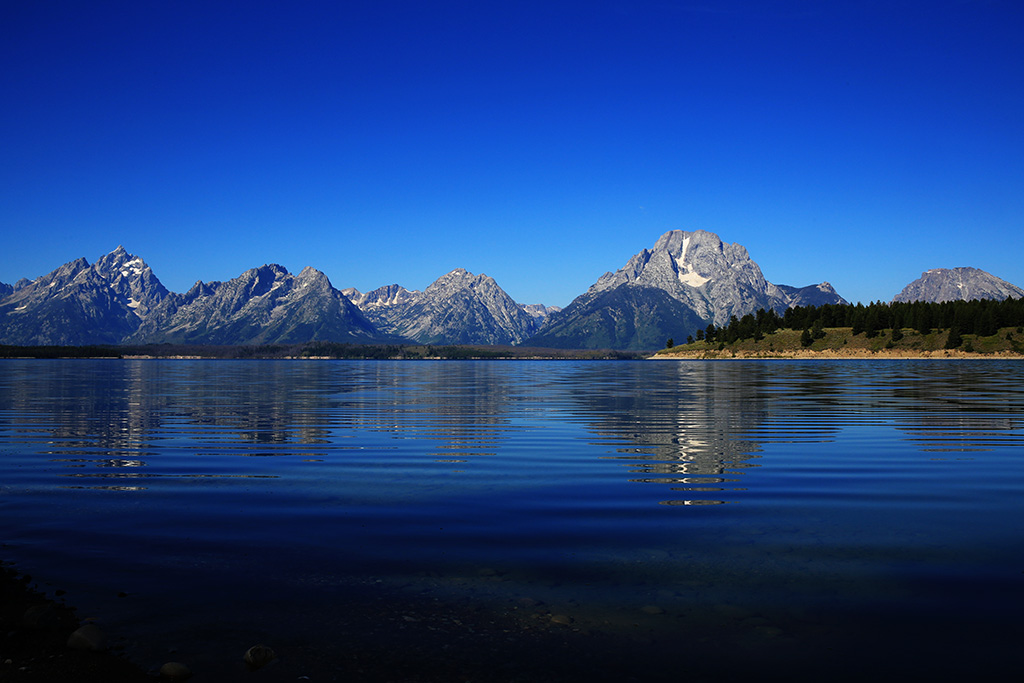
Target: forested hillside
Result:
[956, 319]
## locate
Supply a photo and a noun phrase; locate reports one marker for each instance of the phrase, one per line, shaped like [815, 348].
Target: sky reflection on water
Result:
[788, 503]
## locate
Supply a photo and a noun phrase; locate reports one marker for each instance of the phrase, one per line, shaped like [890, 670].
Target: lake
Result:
[527, 520]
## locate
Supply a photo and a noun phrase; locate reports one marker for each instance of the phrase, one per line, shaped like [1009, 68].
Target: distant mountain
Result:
[80, 303]
[688, 279]
[812, 295]
[457, 308]
[957, 284]
[539, 312]
[6, 290]
[266, 305]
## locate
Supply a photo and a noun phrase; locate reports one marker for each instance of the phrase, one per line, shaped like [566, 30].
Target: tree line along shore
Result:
[978, 328]
[956, 329]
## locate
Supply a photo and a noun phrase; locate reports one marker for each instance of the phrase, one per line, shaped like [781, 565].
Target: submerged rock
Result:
[89, 638]
[175, 671]
[259, 656]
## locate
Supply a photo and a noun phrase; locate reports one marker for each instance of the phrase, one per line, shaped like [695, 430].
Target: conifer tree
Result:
[955, 339]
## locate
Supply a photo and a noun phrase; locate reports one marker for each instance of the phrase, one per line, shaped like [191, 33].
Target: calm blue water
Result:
[528, 520]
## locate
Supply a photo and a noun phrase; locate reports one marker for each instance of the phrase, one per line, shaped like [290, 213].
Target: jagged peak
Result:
[676, 240]
[461, 273]
[80, 262]
[382, 297]
[275, 268]
[459, 277]
[117, 255]
[311, 277]
[201, 288]
[310, 272]
[120, 263]
[69, 269]
[395, 288]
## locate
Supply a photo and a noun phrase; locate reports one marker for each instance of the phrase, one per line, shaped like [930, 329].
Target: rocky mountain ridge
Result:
[457, 308]
[80, 303]
[120, 300]
[686, 281]
[714, 278]
[261, 306]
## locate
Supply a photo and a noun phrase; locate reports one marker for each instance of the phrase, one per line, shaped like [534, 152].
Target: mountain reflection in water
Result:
[810, 517]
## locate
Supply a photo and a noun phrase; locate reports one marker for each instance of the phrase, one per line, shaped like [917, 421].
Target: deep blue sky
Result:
[542, 143]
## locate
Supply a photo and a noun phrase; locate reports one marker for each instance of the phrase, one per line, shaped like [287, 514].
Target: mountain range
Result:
[457, 308]
[80, 303]
[685, 282]
[265, 305]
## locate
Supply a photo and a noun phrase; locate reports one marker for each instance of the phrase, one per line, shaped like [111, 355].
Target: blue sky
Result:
[541, 143]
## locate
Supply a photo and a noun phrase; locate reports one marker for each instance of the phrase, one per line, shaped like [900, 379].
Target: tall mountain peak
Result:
[132, 279]
[685, 281]
[681, 262]
[79, 303]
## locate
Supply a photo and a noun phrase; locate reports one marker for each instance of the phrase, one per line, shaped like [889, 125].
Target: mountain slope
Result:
[262, 306]
[457, 308]
[627, 318]
[709, 279]
[957, 284]
[81, 304]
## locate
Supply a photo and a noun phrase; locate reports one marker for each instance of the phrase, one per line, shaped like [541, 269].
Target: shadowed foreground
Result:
[392, 637]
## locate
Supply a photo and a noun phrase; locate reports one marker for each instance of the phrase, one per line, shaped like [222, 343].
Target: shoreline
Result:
[833, 354]
[36, 644]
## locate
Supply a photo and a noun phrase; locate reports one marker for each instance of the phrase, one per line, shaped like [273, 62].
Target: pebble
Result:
[561, 619]
[89, 638]
[259, 656]
[175, 671]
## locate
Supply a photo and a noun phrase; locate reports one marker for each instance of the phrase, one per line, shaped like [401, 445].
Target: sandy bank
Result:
[834, 354]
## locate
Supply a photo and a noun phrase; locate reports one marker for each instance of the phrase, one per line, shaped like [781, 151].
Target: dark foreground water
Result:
[528, 520]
